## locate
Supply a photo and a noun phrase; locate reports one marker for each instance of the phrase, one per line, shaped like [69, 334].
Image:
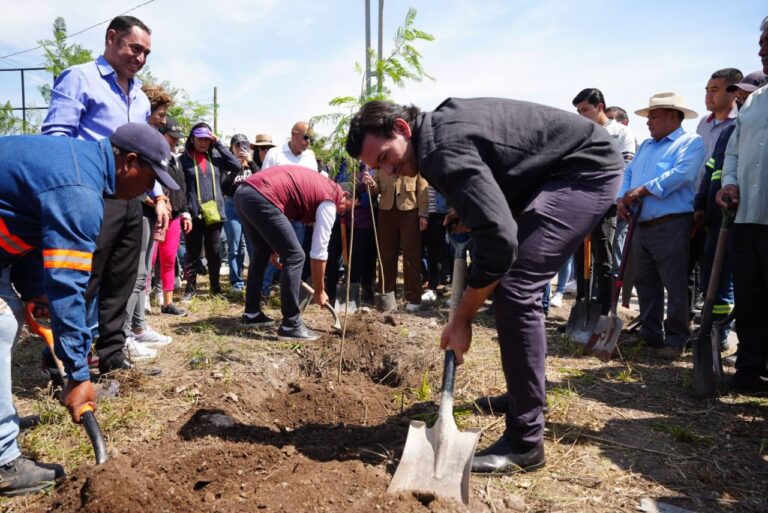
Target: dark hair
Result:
[621, 114]
[376, 118]
[123, 24]
[680, 115]
[189, 144]
[591, 95]
[731, 75]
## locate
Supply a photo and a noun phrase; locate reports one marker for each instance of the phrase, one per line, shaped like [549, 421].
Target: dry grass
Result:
[616, 432]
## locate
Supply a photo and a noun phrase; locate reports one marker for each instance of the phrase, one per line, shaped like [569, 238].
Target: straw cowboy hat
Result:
[667, 101]
[262, 140]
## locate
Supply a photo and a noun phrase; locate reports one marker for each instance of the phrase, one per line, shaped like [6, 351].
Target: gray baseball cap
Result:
[750, 83]
[150, 145]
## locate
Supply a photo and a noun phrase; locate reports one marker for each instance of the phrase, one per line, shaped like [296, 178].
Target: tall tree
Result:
[59, 55]
[401, 65]
[9, 124]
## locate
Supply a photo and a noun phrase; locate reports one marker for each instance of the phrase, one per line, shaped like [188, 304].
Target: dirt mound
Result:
[378, 346]
[227, 477]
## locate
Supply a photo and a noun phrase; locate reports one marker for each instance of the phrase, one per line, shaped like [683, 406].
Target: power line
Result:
[79, 32]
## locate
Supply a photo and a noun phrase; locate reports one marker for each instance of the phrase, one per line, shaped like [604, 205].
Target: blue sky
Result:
[277, 62]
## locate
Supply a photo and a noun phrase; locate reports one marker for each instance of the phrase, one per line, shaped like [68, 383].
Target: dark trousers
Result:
[750, 280]
[437, 249]
[399, 229]
[550, 228]
[695, 257]
[660, 262]
[113, 272]
[602, 236]
[210, 236]
[363, 260]
[269, 230]
[724, 298]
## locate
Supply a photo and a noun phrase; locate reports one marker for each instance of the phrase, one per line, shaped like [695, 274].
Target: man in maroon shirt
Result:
[266, 204]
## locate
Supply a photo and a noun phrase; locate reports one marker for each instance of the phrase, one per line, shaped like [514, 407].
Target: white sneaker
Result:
[159, 298]
[151, 337]
[557, 300]
[429, 296]
[570, 287]
[137, 350]
[411, 307]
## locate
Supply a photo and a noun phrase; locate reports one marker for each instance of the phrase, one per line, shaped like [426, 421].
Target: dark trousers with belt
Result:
[550, 229]
[660, 262]
[750, 281]
[113, 271]
[269, 230]
[400, 229]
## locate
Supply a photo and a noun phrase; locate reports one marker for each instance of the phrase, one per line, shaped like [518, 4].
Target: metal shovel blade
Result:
[341, 304]
[582, 321]
[385, 302]
[305, 296]
[438, 460]
[603, 340]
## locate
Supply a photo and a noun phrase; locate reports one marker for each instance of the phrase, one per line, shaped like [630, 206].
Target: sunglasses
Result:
[307, 138]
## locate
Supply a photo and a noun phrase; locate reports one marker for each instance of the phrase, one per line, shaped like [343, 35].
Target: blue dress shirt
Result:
[668, 168]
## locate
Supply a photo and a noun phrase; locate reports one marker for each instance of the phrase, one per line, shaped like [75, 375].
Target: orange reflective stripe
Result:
[67, 259]
[11, 243]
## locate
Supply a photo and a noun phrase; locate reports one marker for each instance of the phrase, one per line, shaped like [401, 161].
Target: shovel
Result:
[437, 461]
[87, 417]
[305, 296]
[340, 303]
[386, 301]
[584, 314]
[608, 328]
[707, 366]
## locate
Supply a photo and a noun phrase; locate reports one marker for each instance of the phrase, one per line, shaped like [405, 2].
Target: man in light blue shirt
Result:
[663, 177]
[90, 101]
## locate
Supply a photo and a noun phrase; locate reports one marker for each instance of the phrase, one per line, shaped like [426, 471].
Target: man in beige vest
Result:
[403, 215]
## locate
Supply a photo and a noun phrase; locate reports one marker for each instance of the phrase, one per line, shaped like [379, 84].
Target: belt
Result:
[661, 220]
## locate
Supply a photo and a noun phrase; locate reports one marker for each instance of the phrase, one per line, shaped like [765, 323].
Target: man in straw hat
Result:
[663, 176]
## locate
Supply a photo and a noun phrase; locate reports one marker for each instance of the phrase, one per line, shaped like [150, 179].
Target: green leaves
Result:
[403, 64]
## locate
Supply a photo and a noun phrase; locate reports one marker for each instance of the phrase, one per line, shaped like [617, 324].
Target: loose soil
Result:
[240, 422]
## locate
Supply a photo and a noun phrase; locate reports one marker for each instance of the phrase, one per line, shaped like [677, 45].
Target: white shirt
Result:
[624, 139]
[325, 216]
[284, 157]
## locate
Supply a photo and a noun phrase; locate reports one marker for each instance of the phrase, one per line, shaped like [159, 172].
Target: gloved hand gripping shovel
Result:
[608, 328]
[87, 417]
[438, 460]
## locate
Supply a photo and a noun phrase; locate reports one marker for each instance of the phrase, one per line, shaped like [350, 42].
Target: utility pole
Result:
[367, 47]
[379, 77]
[215, 110]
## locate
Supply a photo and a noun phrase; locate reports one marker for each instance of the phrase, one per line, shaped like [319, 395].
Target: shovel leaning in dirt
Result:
[305, 297]
[87, 417]
[585, 312]
[438, 460]
[340, 303]
[707, 366]
[608, 328]
[384, 301]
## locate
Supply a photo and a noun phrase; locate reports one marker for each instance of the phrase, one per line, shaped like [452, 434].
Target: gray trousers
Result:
[660, 262]
[135, 314]
[550, 228]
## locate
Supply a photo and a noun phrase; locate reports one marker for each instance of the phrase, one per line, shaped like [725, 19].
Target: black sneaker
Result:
[116, 362]
[260, 321]
[188, 296]
[299, 334]
[23, 475]
[173, 310]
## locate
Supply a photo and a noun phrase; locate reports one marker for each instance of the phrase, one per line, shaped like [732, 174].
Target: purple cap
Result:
[750, 83]
[150, 145]
[203, 132]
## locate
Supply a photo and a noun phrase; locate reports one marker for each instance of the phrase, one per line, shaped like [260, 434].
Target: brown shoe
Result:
[670, 352]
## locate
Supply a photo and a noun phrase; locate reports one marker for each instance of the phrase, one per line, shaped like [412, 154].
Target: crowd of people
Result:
[536, 187]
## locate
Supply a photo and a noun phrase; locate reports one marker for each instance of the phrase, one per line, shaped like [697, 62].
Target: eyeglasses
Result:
[307, 138]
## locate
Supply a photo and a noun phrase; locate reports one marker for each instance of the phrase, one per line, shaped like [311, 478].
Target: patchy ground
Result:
[241, 422]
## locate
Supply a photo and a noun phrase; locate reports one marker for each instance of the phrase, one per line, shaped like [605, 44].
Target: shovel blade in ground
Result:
[385, 302]
[305, 297]
[436, 461]
[603, 340]
[341, 305]
[582, 321]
